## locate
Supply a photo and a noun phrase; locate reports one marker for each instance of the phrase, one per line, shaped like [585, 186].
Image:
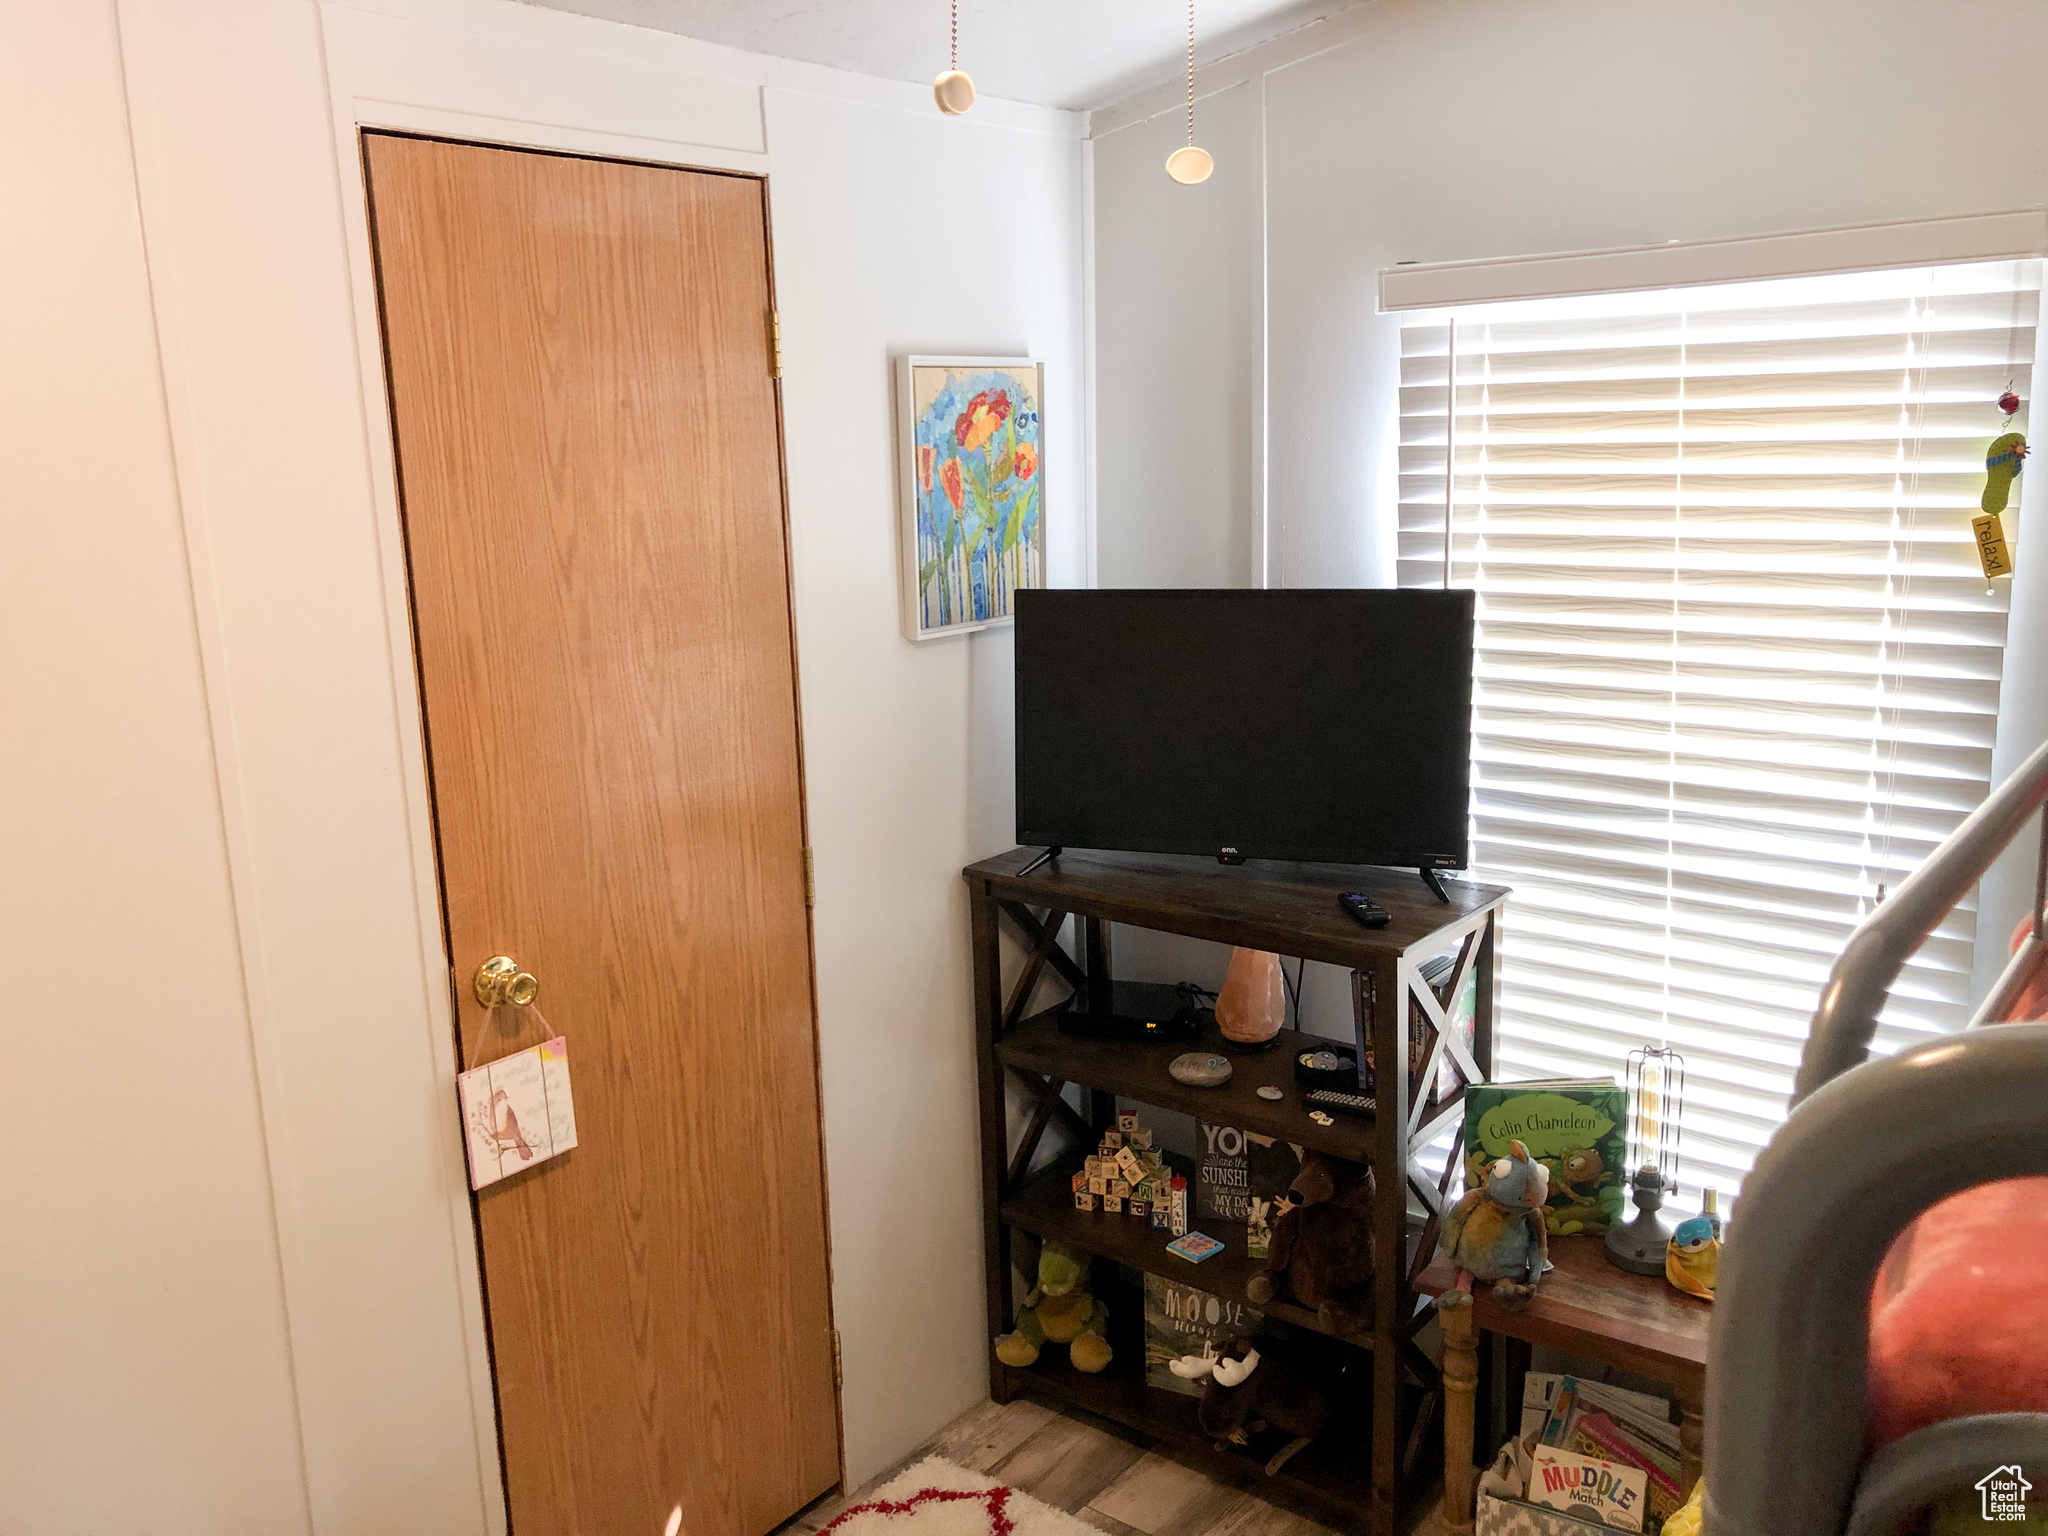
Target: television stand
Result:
[1434, 881]
[1372, 1471]
[1044, 858]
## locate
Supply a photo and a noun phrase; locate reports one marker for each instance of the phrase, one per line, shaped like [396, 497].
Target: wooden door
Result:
[589, 466]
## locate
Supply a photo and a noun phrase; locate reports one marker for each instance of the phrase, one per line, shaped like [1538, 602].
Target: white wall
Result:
[1179, 352]
[148, 1380]
[299, 996]
[908, 762]
[1438, 130]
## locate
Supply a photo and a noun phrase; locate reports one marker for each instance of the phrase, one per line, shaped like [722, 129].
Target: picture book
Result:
[1604, 1492]
[1594, 1434]
[1575, 1127]
[1629, 1429]
[1539, 1391]
[1180, 1320]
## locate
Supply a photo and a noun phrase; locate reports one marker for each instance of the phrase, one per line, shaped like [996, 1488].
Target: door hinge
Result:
[774, 343]
[810, 880]
[838, 1362]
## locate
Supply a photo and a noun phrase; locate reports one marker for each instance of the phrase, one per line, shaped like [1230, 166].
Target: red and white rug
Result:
[936, 1498]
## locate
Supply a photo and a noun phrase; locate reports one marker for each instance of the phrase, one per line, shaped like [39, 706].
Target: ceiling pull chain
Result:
[954, 90]
[1189, 165]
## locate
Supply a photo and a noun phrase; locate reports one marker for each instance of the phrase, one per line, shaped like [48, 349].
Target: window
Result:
[1738, 667]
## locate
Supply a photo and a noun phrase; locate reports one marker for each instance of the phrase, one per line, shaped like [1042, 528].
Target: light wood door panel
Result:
[589, 465]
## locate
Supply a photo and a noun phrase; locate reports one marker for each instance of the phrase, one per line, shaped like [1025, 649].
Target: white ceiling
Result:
[1060, 53]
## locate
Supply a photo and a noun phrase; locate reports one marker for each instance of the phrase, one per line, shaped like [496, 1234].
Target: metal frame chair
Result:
[1869, 1146]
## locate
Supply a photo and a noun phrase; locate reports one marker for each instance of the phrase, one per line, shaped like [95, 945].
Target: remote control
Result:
[1362, 908]
[1342, 1103]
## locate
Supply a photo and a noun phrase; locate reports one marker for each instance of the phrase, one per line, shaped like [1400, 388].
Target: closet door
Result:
[590, 470]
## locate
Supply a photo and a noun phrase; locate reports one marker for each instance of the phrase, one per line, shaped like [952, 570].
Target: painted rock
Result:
[1200, 1069]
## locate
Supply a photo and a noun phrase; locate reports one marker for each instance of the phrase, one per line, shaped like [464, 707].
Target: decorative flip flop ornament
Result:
[2003, 462]
[2002, 465]
[954, 89]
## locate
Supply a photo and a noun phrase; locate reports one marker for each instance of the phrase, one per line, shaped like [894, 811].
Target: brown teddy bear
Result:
[1322, 1244]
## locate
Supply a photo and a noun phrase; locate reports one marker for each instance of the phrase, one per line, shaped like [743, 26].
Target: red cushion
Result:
[1960, 1311]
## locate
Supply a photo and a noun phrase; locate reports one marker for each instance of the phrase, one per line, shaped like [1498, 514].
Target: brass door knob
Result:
[499, 980]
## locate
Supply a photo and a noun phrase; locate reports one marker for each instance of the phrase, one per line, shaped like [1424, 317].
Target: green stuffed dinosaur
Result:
[1061, 1309]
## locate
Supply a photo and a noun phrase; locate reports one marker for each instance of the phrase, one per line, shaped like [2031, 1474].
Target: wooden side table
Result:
[1584, 1307]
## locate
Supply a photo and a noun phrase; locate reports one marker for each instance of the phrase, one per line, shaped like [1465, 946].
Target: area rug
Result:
[936, 1498]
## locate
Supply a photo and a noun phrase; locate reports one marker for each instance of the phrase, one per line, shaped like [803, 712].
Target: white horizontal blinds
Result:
[1737, 666]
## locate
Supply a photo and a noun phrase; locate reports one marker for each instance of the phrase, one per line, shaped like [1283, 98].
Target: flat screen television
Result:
[1314, 725]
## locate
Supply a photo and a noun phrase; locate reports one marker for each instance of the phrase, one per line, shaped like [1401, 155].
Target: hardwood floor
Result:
[1084, 1468]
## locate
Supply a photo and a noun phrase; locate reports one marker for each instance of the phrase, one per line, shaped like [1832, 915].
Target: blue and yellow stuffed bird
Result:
[1692, 1259]
[1496, 1232]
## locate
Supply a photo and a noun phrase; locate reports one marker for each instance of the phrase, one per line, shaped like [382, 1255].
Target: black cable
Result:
[1294, 986]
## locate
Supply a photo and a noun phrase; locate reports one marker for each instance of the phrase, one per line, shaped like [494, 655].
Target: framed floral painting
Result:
[973, 490]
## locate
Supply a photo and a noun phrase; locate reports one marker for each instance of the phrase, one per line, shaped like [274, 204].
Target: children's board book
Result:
[1194, 1247]
[1180, 1320]
[1600, 1491]
[1575, 1127]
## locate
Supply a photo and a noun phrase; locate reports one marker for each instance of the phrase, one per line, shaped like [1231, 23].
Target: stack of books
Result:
[1601, 1452]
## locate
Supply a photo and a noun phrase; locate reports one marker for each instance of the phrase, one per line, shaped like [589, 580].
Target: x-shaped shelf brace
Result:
[1042, 936]
[1048, 1103]
[1430, 1114]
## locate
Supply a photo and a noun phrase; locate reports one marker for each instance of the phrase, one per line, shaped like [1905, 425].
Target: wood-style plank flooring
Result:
[1081, 1467]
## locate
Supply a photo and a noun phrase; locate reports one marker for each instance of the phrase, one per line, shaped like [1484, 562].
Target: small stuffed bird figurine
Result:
[1496, 1232]
[1692, 1259]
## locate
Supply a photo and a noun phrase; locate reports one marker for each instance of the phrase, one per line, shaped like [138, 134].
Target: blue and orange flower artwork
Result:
[980, 522]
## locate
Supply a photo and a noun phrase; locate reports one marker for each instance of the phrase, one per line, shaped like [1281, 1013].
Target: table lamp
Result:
[1656, 1091]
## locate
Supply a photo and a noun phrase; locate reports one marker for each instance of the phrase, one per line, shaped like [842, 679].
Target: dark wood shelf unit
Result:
[1325, 1482]
[1044, 1206]
[1369, 1471]
[1137, 1070]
